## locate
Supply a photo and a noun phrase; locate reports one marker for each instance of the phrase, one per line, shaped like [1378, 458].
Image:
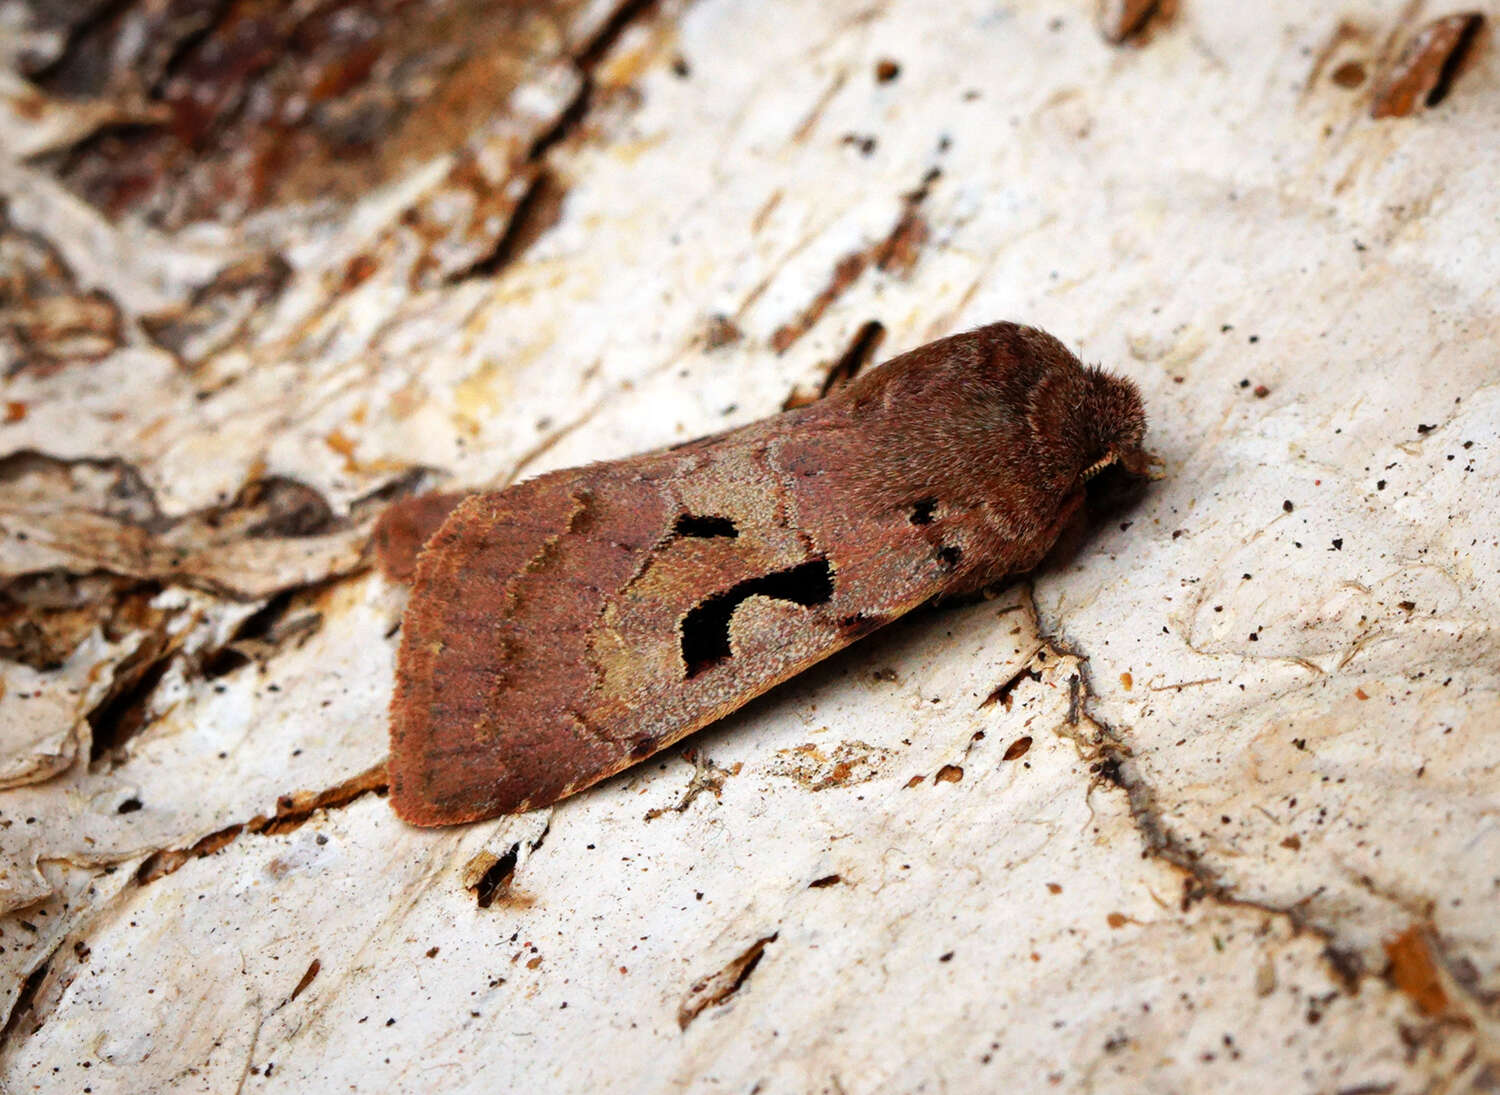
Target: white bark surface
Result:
[1209, 804]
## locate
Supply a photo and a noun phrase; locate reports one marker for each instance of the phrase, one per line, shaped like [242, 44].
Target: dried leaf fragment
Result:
[1414, 972]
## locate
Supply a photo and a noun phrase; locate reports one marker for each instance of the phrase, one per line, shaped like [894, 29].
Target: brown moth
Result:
[567, 627]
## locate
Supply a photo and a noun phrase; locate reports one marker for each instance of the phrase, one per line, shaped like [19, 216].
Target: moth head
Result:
[1086, 422]
[1116, 426]
[1003, 410]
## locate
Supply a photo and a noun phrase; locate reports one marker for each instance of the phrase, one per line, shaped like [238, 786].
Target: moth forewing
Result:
[568, 627]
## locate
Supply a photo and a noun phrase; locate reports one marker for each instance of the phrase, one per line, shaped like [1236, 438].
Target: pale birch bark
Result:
[1208, 804]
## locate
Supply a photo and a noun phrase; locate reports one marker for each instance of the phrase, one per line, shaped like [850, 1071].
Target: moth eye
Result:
[705, 629]
[703, 527]
[922, 511]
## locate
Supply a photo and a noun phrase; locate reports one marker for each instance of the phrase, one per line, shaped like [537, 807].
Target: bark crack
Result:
[718, 987]
[540, 206]
[1114, 764]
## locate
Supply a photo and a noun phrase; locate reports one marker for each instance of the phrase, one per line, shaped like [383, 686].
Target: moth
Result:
[567, 627]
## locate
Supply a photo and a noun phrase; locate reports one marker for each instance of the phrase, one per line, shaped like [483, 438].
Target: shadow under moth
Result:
[570, 626]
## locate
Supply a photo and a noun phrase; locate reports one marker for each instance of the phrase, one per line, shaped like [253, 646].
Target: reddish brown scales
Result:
[567, 627]
[405, 527]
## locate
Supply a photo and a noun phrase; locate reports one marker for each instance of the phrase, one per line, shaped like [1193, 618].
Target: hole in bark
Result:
[1018, 748]
[258, 625]
[122, 712]
[22, 1011]
[533, 216]
[705, 629]
[716, 988]
[1001, 694]
[1456, 58]
[853, 360]
[497, 877]
[1350, 74]
[703, 527]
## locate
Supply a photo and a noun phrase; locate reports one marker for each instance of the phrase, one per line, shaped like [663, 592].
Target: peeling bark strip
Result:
[855, 358]
[292, 811]
[1121, 20]
[89, 517]
[307, 979]
[1425, 70]
[844, 275]
[896, 254]
[257, 105]
[1001, 694]
[717, 987]
[568, 627]
[849, 365]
